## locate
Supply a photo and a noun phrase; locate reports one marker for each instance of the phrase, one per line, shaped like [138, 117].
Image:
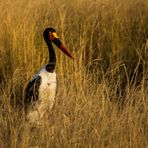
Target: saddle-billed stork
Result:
[41, 90]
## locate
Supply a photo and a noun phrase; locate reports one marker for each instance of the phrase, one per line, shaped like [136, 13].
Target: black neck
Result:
[52, 58]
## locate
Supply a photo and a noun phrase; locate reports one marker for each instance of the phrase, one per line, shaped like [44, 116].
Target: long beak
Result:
[58, 43]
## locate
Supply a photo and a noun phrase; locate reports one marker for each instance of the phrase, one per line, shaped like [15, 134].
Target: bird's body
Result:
[43, 86]
[41, 89]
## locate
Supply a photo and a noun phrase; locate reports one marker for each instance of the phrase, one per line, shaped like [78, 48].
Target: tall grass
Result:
[102, 98]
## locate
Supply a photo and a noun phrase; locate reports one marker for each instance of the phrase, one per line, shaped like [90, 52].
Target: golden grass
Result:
[102, 98]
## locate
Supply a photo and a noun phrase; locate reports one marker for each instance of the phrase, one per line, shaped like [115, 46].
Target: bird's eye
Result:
[51, 36]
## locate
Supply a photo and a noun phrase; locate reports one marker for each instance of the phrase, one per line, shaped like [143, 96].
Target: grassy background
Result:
[102, 98]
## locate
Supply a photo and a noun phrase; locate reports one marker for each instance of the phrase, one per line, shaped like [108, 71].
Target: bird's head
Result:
[50, 34]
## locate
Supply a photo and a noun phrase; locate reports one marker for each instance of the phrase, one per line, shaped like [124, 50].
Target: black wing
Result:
[32, 92]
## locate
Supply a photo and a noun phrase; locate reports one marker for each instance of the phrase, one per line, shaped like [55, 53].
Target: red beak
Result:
[66, 51]
[58, 43]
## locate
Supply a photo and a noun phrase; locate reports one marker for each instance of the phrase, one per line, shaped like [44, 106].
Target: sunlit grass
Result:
[102, 95]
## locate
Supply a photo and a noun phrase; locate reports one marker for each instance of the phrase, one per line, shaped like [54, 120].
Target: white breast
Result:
[47, 91]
